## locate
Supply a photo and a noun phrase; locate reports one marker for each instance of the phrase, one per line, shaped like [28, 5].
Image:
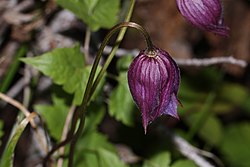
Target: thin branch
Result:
[186, 149]
[190, 151]
[211, 61]
[17, 105]
[64, 134]
[187, 62]
[86, 44]
[70, 135]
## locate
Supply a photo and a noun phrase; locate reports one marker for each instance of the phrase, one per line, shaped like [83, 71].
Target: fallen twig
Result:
[186, 149]
[187, 62]
[17, 105]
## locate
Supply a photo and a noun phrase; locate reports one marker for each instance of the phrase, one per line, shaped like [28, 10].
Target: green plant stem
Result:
[91, 87]
[70, 135]
[150, 48]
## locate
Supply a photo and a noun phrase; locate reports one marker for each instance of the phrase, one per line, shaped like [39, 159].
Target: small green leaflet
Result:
[66, 67]
[184, 163]
[108, 159]
[95, 13]
[54, 115]
[235, 146]
[121, 105]
[161, 159]
[93, 149]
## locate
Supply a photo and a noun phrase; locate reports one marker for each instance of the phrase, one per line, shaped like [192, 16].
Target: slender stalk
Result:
[70, 135]
[150, 48]
[90, 90]
[19, 106]
[86, 44]
[64, 134]
[91, 87]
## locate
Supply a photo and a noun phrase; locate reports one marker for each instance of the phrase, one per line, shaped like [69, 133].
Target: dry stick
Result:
[189, 151]
[70, 135]
[86, 44]
[17, 105]
[187, 62]
[64, 134]
[211, 61]
[26, 100]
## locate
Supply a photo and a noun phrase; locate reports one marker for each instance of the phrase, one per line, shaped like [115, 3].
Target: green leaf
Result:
[108, 159]
[121, 105]
[184, 163]
[87, 158]
[95, 13]
[66, 67]
[54, 115]
[94, 141]
[94, 116]
[124, 62]
[8, 154]
[211, 130]
[88, 146]
[229, 91]
[162, 159]
[235, 145]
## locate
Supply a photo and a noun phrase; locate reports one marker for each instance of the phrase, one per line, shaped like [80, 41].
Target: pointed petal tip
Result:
[145, 125]
[145, 130]
[222, 31]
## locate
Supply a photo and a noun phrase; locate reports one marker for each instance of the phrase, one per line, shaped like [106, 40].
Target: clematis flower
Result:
[153, 79]
[204, 14]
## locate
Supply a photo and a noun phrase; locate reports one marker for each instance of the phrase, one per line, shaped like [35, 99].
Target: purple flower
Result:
[204, 14]
[153, 79]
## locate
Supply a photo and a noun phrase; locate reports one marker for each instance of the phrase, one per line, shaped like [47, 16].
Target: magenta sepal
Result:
[154, 82]
[204, 14]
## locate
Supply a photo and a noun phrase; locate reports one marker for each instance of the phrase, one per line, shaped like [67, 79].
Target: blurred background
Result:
[216, 99]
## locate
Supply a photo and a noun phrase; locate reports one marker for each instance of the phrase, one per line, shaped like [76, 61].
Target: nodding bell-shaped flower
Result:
[204, 14]
[153, 79]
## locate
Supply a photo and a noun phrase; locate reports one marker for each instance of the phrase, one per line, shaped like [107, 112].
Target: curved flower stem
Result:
[150, 48]
[88, 91]
[90, 88]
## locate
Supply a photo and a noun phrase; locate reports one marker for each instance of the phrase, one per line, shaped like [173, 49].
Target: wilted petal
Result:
[204, 14]
[154, 83]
